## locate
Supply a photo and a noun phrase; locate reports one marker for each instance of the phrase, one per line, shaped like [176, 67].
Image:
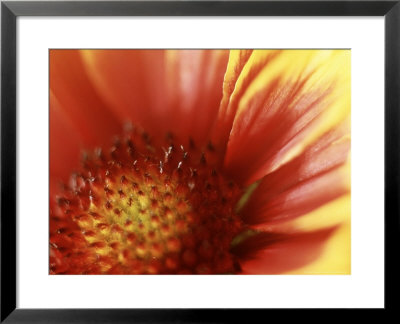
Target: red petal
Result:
[296, 96]
[235, 85]
[272, 253]
[266, 127]
[305, 183]
[237, 60]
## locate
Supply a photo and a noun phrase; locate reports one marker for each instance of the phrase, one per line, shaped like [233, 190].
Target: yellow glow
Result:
[336, 256]
[328, 215]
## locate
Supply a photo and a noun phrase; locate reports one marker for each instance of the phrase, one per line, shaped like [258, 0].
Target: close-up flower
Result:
[199, 162]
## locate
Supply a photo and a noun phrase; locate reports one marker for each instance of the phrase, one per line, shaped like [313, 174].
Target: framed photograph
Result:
[190, 161]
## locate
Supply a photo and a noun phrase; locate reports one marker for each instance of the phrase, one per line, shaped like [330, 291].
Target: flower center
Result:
[141, 209]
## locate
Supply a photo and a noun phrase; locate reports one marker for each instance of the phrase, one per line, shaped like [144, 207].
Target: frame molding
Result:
[10, 10]
[202, 8]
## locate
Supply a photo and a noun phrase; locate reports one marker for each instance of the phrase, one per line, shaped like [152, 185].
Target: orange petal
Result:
[162, 91]
[130, 81]
[91, 117]
[195, 90]
[297, 96]
[320, 174]
[237, 61]
[65, 145]
[272, 253]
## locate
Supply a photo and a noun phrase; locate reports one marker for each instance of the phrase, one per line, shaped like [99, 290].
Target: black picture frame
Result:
[10, 10]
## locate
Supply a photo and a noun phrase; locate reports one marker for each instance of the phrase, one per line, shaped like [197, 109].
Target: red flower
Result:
[207, 161]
